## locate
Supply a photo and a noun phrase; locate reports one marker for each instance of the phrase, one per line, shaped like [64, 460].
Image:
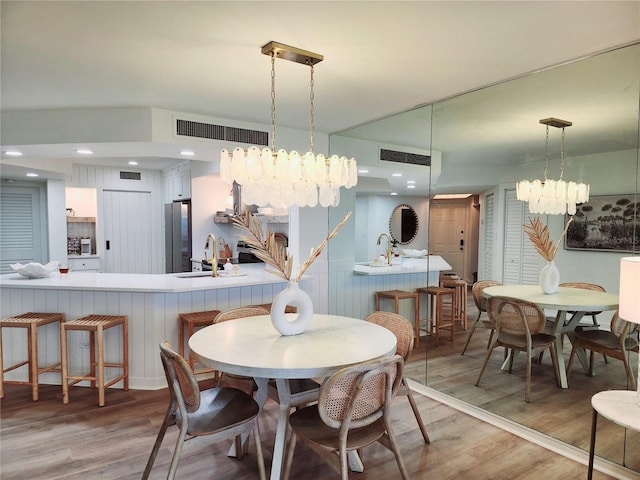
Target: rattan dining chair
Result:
[481, 304]
[586, 286]
[403, 331]
[519, 327]
[219, 412]
[616, 343]
[353, 411]
[246, 384]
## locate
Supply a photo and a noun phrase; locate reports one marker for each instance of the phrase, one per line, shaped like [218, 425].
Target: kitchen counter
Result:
[430, 263]
[248, 274]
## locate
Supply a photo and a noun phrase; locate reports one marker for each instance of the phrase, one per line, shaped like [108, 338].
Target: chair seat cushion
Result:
[602, 339]
[307, 423]
[221, 408]
[519, 342]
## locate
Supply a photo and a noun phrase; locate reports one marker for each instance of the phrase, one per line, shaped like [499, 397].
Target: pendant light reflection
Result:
[553, 197]
[280, 178]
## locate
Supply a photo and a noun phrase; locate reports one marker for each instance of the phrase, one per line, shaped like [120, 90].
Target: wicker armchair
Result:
[617, 343]
[519, 325]
[403, 331]
[355, 400]
[481, 305]
[219, 412]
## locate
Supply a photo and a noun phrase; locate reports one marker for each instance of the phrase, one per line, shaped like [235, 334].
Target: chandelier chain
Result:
[562, 154]
[311, 113]
[273, 102]
[546, 153]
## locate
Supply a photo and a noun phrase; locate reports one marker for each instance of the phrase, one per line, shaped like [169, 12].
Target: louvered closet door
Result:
[489, 237]
[21, 236]
[522, 263]
[127, 231]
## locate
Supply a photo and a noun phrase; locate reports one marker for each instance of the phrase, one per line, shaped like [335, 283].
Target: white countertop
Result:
[249, 274]
[430, 263]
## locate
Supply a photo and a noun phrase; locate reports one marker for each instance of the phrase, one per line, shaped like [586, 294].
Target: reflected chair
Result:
[617, 343]
[219, 412]
[403, 331]
[519, 327]
[481, 304]
[585, 286]
[353, 411]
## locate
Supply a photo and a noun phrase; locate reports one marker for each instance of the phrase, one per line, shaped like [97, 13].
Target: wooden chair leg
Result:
[1, 368]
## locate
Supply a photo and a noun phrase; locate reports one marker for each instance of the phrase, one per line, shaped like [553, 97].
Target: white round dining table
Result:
[252, 347]
[566, 299]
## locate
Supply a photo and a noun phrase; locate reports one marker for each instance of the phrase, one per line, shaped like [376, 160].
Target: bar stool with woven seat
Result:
[396, 296]
[459, 299]
[31, 321]
[437, 310]
[95, 324]
[191, 321]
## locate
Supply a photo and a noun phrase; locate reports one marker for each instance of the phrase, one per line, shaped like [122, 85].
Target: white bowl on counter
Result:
[34, 269]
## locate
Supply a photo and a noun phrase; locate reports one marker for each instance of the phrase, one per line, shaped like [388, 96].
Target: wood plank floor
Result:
[49, 440]
[564, 414]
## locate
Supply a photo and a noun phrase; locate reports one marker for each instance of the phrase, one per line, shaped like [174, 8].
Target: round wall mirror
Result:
[403, 224]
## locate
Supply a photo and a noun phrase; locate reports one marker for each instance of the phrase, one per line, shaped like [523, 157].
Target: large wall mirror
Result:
[488, 140]
[403, 224]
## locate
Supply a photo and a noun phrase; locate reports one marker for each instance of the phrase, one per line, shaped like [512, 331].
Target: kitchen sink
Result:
[192, 274]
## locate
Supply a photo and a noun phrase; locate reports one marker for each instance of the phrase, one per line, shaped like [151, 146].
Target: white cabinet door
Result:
[127, 232]
[84, 264]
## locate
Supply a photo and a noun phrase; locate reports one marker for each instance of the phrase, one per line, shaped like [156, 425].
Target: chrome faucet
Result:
[213, 260]
[389, 254]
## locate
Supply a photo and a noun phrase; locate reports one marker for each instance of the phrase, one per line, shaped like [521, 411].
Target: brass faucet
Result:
[213, 260]
[389, 254]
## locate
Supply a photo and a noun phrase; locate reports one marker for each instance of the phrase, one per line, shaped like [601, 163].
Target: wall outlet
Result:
[84, 343]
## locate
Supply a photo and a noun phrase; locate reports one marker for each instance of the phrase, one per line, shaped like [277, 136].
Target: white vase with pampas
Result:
[538, 233]
[273, 253]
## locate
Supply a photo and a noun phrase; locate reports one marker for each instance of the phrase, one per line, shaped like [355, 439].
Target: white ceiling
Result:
[204, 57]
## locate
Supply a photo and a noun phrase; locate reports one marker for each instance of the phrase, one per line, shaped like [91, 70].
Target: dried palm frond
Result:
[266, 248]
[539, 236]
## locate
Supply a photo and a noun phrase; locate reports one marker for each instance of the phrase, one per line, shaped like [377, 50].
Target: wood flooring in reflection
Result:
[564, 414]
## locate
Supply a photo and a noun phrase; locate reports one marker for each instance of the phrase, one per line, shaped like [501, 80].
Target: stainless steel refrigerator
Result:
[177, 235]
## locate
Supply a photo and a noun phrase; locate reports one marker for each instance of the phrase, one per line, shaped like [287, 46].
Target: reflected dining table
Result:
[576, 300]
[252, 347]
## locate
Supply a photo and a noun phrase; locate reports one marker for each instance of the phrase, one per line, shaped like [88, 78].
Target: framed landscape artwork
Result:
[605, 223]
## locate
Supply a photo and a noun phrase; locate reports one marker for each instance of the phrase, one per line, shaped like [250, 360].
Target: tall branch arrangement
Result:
[273, 253]
[539, 236]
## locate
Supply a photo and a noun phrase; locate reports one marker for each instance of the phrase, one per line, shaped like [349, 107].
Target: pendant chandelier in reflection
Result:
[553, 197]
[280, 178]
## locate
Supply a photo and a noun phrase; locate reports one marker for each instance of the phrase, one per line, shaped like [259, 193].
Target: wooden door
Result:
[447, 232]
[127, 231]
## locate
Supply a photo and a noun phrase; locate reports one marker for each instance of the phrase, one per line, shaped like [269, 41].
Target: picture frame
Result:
[609, 223]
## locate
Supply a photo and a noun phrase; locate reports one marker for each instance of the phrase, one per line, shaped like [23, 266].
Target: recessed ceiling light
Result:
[132, 162]
[363, 171]
[444, 196]
[396, 174]
[394, 193]
[13, 153]
[411, 182]
[411, 186]
[84, 151]
[31, 174]
[187, 153]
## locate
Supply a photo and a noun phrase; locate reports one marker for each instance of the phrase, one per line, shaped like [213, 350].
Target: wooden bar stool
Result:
[31, 321]
[95, 324]
[191, 321]
[396, 296]
[459, 300]
[437, 310]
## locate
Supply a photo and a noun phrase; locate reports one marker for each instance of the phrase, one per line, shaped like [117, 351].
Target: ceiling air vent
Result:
[187, 128]
[130, 175]
[405, 157]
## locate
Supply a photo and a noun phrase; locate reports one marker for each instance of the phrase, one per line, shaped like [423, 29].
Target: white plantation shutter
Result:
[489, 240]
[522, 263]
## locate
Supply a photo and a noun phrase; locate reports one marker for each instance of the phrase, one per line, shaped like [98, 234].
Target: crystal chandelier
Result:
[280, 178]
[553, 197]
